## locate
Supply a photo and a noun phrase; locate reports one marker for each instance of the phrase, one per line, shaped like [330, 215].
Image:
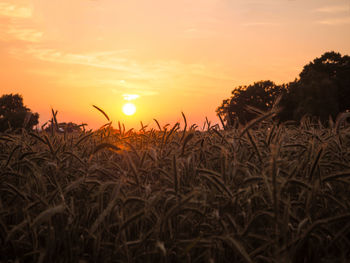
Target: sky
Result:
[164, 56]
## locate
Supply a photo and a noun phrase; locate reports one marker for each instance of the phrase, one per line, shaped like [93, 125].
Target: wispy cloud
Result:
[113, 60]
[194, 32]
[120, 73]
[260, 24]
[141, 92]
[333, 9]
[148, 93]
[24, 34]
[103, 60]
[335, 21]
[130, 96]
[11, 10]
[18, 24]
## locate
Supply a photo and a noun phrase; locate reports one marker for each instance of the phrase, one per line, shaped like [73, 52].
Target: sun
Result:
[129, 109]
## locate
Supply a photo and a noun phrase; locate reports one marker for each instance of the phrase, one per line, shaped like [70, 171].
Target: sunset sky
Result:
[165, 56]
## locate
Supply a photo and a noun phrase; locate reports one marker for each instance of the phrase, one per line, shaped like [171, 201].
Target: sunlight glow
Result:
[129, 109]
[162, 56]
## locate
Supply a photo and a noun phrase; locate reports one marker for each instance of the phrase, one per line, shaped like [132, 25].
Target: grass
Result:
[260, 193]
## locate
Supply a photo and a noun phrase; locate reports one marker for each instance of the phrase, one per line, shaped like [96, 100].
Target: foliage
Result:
[14, 115]
[260, 95]
[268, 194]
[322, 91]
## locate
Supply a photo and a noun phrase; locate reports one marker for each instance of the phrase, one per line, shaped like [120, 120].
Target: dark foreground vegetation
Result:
[263, 192]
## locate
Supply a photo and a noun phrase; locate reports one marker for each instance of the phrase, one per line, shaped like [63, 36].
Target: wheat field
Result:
[264, 192]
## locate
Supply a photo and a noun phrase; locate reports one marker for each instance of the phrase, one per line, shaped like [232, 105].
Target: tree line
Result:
[14, 115]
[322, 91]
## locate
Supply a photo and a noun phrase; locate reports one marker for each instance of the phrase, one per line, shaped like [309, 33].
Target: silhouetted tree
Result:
[14, 115]
[288, 101]
[260, 95]
[323, 89]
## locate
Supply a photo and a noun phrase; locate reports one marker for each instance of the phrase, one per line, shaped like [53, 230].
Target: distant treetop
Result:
[14, 115]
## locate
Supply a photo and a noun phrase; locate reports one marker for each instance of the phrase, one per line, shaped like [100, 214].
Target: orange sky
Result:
[183, 55]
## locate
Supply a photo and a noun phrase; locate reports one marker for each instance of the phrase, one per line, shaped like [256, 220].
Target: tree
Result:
[323, 89]
[14, 115]
[260, 95]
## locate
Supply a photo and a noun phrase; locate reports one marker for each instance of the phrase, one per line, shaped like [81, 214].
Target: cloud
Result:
[141, 92]
[11, 10]
[194, 32]
[113, 60]
[333, 9]
[260, 24]
[103, 60]
[24, 34]
[17, 24]
[130, 96]
[335, 21]
[149, 93]
[120, 74]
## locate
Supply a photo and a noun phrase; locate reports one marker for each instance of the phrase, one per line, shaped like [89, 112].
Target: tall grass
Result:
[260, 193]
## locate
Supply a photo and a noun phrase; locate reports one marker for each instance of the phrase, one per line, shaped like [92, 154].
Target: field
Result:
[257, 193]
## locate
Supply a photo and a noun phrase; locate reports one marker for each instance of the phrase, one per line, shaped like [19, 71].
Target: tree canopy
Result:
[322, 91]
[14, 115]
[260, 95]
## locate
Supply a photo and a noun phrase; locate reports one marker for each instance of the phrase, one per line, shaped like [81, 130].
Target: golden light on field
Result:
[129, 109]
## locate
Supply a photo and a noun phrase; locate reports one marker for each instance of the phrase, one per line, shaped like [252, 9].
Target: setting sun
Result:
[129, 109]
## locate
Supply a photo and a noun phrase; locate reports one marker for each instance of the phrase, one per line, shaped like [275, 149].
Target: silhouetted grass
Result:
[259, 193]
